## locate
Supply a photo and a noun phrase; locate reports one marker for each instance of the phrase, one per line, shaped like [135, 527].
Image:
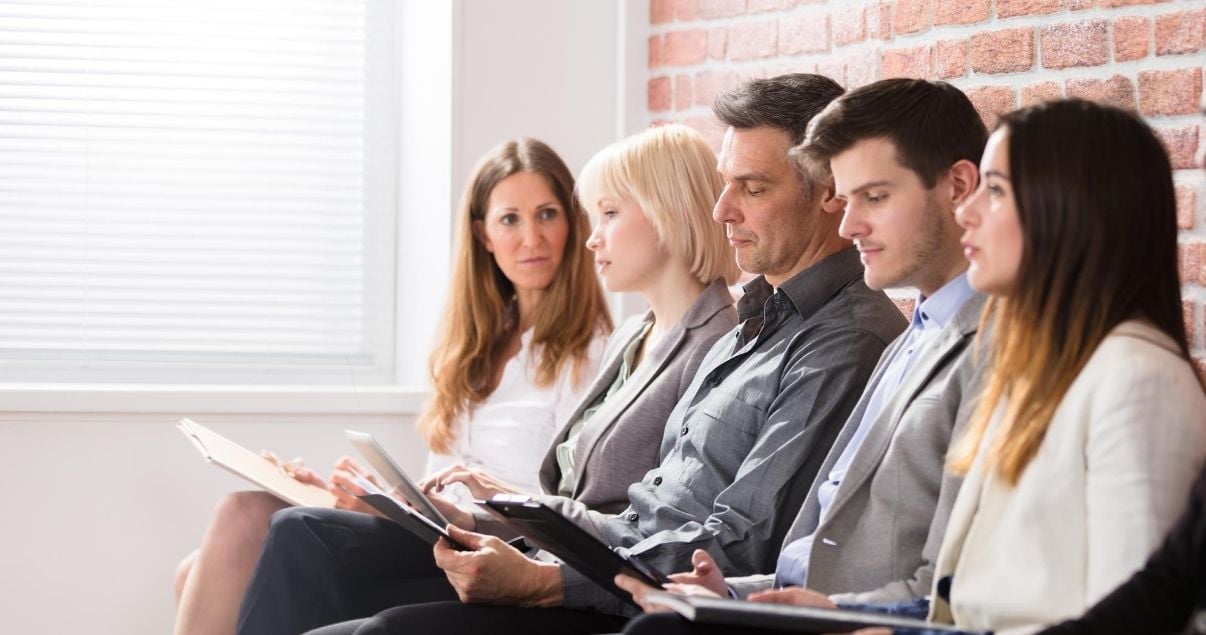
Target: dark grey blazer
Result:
[619, 444]
[880, 537]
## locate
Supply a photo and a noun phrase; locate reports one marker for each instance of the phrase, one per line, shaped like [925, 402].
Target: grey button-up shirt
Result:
[743, 445]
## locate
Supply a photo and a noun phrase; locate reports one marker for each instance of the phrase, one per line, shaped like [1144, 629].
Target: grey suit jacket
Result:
[880, 538]
[620, 442]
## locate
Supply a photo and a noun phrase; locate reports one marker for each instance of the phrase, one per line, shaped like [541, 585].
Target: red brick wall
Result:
[1145, 55]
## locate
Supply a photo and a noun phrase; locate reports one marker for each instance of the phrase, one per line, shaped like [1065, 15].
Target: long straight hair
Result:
[1094, 193]
[481, 317]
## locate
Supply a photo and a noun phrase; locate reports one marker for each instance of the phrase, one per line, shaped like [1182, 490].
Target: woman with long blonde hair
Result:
[522, 332]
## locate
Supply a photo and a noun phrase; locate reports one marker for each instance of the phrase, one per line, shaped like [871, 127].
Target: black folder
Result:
[545, 528]
[411, 520]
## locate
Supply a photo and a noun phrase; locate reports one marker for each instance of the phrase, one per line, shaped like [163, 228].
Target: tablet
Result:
[554, 533]
[412, 521]
[393, 475]
[785, 617]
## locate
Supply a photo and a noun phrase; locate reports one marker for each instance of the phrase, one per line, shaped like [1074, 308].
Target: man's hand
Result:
[798, 596]
[640, 591]
[497, 573]
[704, 573]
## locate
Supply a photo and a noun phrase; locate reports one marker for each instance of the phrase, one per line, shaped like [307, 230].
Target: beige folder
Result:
[238, 460]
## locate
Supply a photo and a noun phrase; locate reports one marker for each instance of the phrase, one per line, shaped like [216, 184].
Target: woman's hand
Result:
[480, 484]
[797, 596]
[343, 486]
[295, 469]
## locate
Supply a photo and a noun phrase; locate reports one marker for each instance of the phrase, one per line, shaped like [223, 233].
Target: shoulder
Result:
[1136, 355]
[858, 308]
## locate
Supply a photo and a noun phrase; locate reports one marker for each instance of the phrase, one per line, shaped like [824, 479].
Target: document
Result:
[238, 460]
[783, 617]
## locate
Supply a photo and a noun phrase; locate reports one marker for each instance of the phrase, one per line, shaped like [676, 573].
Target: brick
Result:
[1187, 205]
[912, 16]
[1116, 91]
[659, 94]
[1079, 5]
[883, 21]
[1074, 44]
[861, 70]
[849, 25]
[1126, 3]
[1181, 143]
[753, 40]
[961, 11]
[661, 11]
[803, 34]
[717, 43]
[1188, 262]
[1187, 314]
[950, 58]
[709, 84]
[1180, 32]
[911, 62]
[655, 51]
[709, 127]
[683, 98]
[686, 10]
[712, 9]
[685, 48]
[1014, 8]
[1170, 92]
[1131, 38]
[1042, 91]
[906, 306]
[992, 101]
[1004, 51]
[760, 6]
[832, 67]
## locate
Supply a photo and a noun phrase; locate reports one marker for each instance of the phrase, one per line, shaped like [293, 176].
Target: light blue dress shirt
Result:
[930, 316]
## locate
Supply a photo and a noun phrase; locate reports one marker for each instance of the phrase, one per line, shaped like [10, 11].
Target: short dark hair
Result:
[787, 102]
[932, 124]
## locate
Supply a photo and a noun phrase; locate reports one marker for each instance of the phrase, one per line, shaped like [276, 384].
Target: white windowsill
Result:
[190, 400]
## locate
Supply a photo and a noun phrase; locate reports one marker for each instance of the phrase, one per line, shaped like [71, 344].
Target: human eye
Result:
[994, 190]
[508, 219]
[755, 191]
[549, 213]
[876, 198]
[610, 213]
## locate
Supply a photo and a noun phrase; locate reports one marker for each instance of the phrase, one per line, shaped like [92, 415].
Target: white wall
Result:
[101, 505]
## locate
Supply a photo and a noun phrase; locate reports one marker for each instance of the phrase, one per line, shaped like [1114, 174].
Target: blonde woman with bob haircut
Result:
[522, 332]
[652, 195]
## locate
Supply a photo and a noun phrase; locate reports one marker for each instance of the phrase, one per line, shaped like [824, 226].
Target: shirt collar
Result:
[808, 290]
[939, 309]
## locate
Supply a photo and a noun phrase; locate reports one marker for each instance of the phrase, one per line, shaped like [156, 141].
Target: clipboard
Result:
[389, 470]
[554, 533]
[240, 461]
[784, 617]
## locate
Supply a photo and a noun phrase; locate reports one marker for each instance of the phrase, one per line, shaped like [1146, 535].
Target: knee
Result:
[182, 571]
[247, 511]
[655, 624]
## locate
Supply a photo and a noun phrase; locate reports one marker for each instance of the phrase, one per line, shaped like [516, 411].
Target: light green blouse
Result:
[565, 450]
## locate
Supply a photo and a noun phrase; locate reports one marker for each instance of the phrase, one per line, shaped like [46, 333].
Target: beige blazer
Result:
[1110, 477]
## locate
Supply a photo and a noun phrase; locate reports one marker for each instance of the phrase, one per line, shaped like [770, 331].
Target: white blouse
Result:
[508, 434]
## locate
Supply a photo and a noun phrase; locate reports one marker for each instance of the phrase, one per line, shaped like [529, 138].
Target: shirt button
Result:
[657, 480]
[684, 433]
[633, 517]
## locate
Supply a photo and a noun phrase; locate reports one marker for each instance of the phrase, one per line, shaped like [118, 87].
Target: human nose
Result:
[532, 234]
[594, 241]
[967, 215]
[853, 225]
[725, 211]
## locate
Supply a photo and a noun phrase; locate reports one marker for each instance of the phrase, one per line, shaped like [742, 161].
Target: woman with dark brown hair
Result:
[1092, 426]
[522, 334]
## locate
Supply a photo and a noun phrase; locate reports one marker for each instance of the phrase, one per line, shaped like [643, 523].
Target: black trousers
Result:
[322, 566]
[672, 624]
[325, 567]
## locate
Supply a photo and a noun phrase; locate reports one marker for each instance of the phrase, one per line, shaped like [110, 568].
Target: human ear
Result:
[830, 203]
[964, 179]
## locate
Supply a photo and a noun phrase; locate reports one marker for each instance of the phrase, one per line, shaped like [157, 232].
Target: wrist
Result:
[545, 585]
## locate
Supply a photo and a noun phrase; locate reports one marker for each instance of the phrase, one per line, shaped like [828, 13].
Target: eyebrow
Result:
[996, 173]
[752, 176]
[516, 209]
[867, 186]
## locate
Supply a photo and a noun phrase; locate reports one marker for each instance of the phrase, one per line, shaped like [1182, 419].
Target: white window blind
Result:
[197, 192]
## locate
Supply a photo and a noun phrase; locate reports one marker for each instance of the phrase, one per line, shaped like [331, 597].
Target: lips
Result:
[534, 262]
[969, 250]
